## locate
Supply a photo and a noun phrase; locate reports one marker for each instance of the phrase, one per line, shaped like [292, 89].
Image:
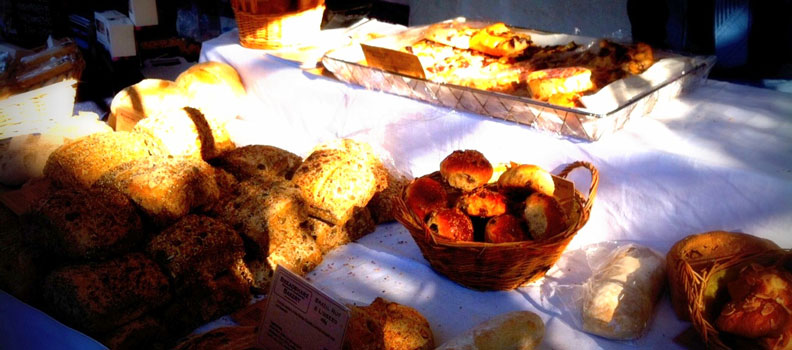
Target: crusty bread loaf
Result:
[165, 188]
[466, 170]
[196, 244]
[186, 132]
[144, 99]
[85, 224]
[516, 330]
[330, 236]
[619, 298]
[99, 297]
[387, 325]
[257, 160]
[271, 214]
[81, 162]
[223, 338]
[382, 203]
[338, 177]
[215, 88]
[699, 248]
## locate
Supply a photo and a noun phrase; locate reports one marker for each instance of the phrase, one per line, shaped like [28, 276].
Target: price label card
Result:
[300, 316]
[393, 61]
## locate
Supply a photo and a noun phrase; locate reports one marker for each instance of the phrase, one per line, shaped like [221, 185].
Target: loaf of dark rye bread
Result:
[258, 160]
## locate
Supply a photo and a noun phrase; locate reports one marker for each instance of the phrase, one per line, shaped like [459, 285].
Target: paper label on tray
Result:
[393, 61]
[300, 316]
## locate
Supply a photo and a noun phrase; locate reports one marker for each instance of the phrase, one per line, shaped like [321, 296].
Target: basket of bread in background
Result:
[273, 24]
[735, 288]
[493, 228]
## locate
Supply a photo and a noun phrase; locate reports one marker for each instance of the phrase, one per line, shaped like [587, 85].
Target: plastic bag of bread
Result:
[517, 330]
[215, 88]
[619, 298]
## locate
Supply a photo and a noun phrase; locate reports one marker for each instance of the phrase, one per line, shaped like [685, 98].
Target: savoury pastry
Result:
[619, 299]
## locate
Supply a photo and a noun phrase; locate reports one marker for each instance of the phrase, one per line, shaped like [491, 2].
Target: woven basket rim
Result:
[694, 284]
[554, 245]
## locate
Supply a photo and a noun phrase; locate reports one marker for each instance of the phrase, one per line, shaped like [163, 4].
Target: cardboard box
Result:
[143, 12]
[116, 33]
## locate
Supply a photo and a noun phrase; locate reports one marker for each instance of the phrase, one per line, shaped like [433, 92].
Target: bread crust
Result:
[466, 169]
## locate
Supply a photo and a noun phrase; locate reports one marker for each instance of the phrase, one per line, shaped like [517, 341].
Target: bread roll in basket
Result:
[502, 266]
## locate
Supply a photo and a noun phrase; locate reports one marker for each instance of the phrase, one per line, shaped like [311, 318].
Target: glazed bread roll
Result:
[761, 302]
[466, 169]
[81, 162]
[703, 246]
[505, 228]
[526, 178]
[186, 132]
[544, 216]
[451, 224]
[214, 88]
[483, 202]
[517, 330]
[425, 195]
[619, 299]
[146, 98]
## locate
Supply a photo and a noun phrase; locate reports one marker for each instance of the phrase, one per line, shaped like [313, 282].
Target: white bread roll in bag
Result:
[517, 330]
[619, 298]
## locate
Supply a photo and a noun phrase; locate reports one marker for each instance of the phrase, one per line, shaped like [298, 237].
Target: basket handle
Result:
[592, 192]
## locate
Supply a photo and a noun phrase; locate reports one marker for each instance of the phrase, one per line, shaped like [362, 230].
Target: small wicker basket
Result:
[704, 311]
[503, 266]
[276, 30]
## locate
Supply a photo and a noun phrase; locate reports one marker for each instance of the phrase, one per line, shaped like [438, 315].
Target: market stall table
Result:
[717, 158]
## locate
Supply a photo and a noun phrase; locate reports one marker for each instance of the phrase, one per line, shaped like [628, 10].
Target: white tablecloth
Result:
[718, 158]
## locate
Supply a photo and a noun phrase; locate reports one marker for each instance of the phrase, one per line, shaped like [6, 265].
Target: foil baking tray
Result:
[607, 111]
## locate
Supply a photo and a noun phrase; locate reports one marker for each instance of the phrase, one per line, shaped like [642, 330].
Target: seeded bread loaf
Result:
[165, 188]
[330, 236]
[258, 160]
[387, 325]
[81, 162]
[145, 332]
[83, 224]
[382, 203]
[21, 265]
[99, 297]
[144, 99]
[186, 132]
[338, 177]
[196, 244]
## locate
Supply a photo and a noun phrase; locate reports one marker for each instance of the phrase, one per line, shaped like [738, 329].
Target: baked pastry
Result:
[466, 169]
[223, 338]
[81, 162]
[761, 302]
[697, 249]
[451, 224]
[547, 83]
[271, 215]
[99, 297]
[165, 188]
[526, 178]
[330, 236]
[544, 216]
[256, 160]
[85, 224]
[389, 326]
[498, 40]
[483, 202]
[782, 341]
[425, 195]
[196, 243]
[215, 88]
[619, 298]
[146, 98]
[186, 132]
[516, 330]
[338, 177]
[382, 203]
[505, 228]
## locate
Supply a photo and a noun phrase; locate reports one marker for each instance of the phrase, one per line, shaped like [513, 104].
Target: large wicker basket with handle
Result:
[503, 266]
[699, 276]
[265, 25]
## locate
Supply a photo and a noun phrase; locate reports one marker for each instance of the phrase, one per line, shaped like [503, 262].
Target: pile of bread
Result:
[142, 235]
[470, 202]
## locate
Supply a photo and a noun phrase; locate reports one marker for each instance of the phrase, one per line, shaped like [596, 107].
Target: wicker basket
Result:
[274, 31]
[703, 312]
[502, 266]
[42, 90]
